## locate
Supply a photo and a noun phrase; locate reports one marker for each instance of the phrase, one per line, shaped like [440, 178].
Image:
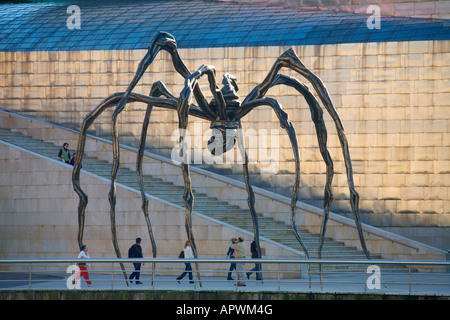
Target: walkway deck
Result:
[391, 284]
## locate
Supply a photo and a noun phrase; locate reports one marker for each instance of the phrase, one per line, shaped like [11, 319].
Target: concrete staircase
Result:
[219, 209]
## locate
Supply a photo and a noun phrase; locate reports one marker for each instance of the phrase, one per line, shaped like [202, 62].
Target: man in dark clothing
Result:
[136, 252]
[257, 268]
[230, 255]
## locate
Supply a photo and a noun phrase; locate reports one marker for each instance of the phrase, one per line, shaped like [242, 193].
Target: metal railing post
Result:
[409, 276]
[447, 257]
[365, 277]
[153, 275]
[279, 269]
[29, 276]
[112, 275]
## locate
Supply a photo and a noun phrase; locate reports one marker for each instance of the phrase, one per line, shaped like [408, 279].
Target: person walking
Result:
[188, 254]
[231, 255]
[135, 251]
[83, 266]
[257, 268]
[64, 154]
[240, 249]
[73, 161]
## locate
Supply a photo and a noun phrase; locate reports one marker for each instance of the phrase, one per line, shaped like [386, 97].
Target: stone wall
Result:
[341, 229]
[39, 219]
[392, 98]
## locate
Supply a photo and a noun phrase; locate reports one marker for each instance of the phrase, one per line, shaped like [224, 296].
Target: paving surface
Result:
[401, 283]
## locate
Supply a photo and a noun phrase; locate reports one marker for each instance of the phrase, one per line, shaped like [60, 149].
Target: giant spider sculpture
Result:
[224, 112]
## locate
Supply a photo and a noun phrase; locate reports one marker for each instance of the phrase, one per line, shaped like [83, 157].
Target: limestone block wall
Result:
[392, 98]
[379, 242]
[38, 217]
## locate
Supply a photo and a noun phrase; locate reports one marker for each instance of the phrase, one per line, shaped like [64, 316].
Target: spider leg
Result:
[289, 128]
[158, 89]
[87, 122]
[218, 96]
[290, 60]
[183, 109]
[89, 119]
[162, 41]
[251, 195]
[321, 132]
[183, 112]
[112, 190]
[83, 197]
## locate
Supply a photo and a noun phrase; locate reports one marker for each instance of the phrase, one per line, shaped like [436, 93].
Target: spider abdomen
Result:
[224, 133]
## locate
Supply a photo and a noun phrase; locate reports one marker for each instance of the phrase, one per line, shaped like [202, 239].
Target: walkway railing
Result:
[383, 276]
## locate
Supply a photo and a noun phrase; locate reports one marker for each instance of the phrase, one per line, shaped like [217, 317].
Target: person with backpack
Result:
[135, 251]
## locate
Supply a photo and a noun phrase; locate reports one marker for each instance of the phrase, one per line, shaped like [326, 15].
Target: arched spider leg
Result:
[289, 59]
[157, 90]
[289, 128]
[87, 122]
[221, 111]
[162, 41]
[251, 195]
[321, 132]
[183, 113]
[111, 101]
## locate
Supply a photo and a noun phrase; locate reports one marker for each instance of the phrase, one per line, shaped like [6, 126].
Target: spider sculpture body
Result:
[224, 112]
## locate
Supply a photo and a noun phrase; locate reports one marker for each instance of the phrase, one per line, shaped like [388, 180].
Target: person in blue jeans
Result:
[230, 255]
[136, 252]
[188, 254]
[257, 268]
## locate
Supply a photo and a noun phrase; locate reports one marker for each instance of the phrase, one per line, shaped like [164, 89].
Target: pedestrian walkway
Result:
[394, 284]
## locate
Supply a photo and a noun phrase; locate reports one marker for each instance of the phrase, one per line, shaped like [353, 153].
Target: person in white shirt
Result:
[240, 250]
[84, 266]
[188, 254]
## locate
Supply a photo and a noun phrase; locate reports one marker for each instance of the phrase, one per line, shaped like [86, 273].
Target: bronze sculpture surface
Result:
[224, 112]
